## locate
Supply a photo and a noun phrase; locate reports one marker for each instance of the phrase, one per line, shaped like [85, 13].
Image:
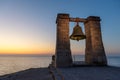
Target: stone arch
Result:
[94, 50]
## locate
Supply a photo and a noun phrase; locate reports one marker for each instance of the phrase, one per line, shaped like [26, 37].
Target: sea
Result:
[14, 63]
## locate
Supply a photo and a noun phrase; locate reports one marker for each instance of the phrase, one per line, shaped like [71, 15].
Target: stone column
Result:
[95, 53]
[88, 48]
[63, 52]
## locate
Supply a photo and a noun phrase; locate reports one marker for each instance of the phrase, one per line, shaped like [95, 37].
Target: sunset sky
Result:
[28, 26]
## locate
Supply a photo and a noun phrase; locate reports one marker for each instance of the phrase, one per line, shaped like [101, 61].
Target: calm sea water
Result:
[11, 64]
[112, 60]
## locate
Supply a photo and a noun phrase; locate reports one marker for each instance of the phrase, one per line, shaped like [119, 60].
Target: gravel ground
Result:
[91, 73]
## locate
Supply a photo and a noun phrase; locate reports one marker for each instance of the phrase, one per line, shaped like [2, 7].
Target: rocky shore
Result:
[72, 73]
[30, 74]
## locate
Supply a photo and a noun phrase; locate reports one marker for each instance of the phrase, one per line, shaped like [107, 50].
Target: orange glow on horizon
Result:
[15, 44]
[25, 49]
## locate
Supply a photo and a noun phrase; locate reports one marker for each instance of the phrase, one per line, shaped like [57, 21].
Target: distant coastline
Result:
[24, 55]
[36, 54]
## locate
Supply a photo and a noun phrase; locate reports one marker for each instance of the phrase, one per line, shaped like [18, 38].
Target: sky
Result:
[28, 26]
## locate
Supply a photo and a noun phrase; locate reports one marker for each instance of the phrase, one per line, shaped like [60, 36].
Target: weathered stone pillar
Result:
[63, 52]
[88, 48]
[95, 53]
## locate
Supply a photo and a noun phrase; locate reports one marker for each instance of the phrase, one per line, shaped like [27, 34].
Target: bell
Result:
[77, 33]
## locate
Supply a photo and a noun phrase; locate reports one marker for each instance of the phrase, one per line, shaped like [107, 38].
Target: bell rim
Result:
[78, 38]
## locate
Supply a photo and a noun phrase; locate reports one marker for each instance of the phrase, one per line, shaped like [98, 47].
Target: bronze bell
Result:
[77, 33]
